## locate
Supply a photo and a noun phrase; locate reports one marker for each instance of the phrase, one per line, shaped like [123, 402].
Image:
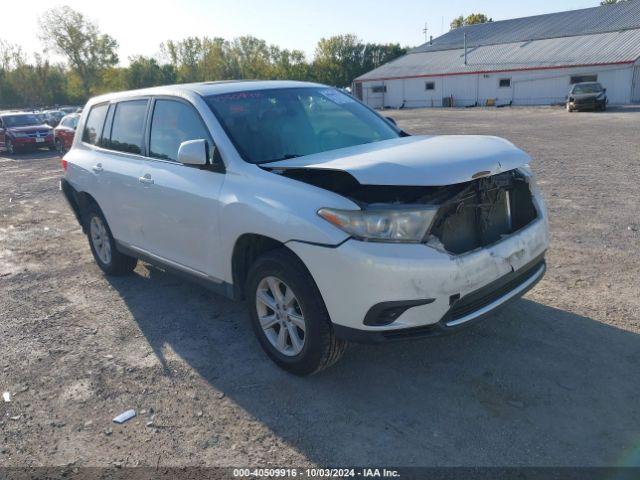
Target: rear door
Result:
[181, 202]
[119, 168]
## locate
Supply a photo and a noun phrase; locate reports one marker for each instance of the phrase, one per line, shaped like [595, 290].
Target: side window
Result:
[127, 132]
[173, 123]
[93, 125]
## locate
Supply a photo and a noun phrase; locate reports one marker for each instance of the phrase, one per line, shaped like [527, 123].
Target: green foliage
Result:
[91, 62]
[471, 19]
[88, 52]
[611, 2]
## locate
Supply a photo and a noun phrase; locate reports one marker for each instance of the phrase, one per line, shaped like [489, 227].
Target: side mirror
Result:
[193, 152]
[391, 120]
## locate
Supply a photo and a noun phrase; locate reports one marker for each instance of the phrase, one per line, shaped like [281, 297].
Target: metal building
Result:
[523, 61]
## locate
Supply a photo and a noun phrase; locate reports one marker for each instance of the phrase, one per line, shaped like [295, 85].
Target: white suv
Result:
[333, 224]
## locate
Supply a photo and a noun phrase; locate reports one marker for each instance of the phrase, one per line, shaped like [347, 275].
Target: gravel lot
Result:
[551, 380]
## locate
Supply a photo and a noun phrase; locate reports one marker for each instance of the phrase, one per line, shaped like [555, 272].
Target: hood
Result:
[417, 160]
[586, 96]
[29, 128]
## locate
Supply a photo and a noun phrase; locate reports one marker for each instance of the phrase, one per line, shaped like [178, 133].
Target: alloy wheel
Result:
[280, 316]
[100, 239]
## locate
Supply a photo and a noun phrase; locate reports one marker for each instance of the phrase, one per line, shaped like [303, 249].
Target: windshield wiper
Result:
[287, 156]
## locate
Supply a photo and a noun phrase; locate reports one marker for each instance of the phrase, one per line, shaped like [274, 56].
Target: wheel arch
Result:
[246, 250]
[79, 202]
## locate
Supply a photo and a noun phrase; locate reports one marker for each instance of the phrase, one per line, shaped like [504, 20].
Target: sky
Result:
[140, 26]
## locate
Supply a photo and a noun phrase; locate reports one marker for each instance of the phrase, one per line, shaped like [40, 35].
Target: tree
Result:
[145, 72]
[457, 22]
[612, 2]
[88, 52]
[472, 19]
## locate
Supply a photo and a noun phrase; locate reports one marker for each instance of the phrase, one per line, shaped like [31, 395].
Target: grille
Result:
[492, 292]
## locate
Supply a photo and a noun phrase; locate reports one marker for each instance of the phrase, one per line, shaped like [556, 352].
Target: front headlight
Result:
[20, 135]
[408, 225]
[531, 180]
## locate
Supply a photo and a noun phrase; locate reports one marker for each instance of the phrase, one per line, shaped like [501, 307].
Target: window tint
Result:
[127, 131]
[93, 125]
[430, 86]
[505, 82]
[173, 123]
[379, 89]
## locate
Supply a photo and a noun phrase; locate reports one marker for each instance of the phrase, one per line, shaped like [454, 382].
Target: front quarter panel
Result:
[255, 201]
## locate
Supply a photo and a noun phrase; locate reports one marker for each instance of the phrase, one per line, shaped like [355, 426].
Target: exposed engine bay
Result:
[470, 215]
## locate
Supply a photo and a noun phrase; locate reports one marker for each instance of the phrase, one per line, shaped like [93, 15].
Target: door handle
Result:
[147, 180]
[97, 168]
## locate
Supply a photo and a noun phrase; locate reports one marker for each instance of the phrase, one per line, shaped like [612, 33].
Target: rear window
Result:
[127, 132]
[93, 126]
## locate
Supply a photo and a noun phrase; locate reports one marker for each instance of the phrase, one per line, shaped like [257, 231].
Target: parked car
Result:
[587, 96]
[331, 222]
[65, 131]
[69, 110]
[54, 117]
[24, 130]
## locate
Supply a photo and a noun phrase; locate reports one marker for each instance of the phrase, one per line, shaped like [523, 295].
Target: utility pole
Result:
[465, 48]
[425, 30]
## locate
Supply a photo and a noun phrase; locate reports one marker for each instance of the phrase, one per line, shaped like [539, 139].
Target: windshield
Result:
[587, 88]
[270, 125]
[20, 120]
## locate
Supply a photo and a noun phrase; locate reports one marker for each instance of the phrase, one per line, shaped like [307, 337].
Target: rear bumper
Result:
[72, 198]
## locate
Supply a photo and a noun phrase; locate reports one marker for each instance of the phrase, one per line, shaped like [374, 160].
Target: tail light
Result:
[63, 162]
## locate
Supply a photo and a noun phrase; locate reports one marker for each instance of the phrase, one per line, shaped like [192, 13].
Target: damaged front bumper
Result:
[417, 290]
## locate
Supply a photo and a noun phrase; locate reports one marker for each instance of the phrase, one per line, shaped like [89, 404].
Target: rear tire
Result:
[59, 147]
[316, 346]
[103, 246]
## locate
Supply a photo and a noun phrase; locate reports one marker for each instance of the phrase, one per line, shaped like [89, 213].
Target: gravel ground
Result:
[553, 379]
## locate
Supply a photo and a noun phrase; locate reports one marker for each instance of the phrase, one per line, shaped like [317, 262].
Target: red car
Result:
[65, 131]
[23, 130]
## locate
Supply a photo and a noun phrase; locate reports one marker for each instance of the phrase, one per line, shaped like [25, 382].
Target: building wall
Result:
[532, 87]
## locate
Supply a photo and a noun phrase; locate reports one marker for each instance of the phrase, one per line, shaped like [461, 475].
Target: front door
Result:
[181, 204]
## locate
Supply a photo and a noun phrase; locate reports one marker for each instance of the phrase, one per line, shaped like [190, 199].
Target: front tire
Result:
[103, 246]
[288, 315]
[9, 147]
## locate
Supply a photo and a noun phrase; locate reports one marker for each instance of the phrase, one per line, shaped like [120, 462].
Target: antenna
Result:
[425, 30]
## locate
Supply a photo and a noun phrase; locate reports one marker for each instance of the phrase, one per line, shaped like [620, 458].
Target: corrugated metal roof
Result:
[608, 18]
[604, 48]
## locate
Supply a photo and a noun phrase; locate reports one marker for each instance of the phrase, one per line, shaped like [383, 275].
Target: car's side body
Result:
[209, 223]
[65, 132]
